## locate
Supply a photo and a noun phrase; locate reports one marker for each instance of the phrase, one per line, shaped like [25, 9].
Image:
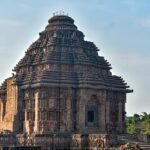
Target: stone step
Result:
[145, 146]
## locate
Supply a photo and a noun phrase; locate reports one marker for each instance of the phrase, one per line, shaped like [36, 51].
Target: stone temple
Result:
[62, 93]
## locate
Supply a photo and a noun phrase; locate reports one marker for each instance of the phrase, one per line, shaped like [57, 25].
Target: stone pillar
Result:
[16, 120]
[102, 113]
[107, 111]
[120, 112]
[107, 115]
[1, 111]
[16, 98]
[69, 113]
[120, 117]
[36, 124]
[102, 117]
[25, 121]
[25, 113]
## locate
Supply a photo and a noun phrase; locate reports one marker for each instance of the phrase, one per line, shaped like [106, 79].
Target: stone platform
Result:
[59, 141]
[21, 148]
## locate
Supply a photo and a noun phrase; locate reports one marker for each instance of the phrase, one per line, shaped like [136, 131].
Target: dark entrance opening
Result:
[90, 116]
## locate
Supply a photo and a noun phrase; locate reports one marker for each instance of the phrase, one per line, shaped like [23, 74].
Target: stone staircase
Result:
[144, 146]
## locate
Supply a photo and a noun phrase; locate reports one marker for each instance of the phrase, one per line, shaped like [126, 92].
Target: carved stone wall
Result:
[49, 110]
[89, 141]
[92, 99]
[116, 111]
[9, 107]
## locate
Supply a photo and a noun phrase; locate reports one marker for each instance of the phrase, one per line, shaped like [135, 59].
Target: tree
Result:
[138, 122]
[131, 124]
[136, 118]
[146, 123]
[131, 129]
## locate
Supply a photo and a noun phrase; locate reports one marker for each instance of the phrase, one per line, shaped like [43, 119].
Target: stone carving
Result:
[97, 141]
[130, 146]
[76, 141]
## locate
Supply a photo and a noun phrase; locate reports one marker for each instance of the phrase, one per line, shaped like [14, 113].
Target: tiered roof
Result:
[59, 45]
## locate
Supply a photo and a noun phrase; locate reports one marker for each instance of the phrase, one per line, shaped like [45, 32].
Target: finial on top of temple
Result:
[60, 13]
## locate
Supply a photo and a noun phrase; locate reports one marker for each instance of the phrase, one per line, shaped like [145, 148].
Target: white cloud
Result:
[145, 23]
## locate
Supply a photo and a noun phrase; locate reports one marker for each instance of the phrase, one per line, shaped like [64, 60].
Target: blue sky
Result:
[120, 28]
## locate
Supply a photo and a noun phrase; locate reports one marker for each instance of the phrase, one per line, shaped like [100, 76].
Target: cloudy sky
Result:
[120, 28]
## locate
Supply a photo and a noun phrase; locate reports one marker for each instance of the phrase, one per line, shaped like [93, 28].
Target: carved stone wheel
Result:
[29, 141]
[99, 144]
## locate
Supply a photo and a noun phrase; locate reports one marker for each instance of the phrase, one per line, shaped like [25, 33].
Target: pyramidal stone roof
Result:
[61, 57]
